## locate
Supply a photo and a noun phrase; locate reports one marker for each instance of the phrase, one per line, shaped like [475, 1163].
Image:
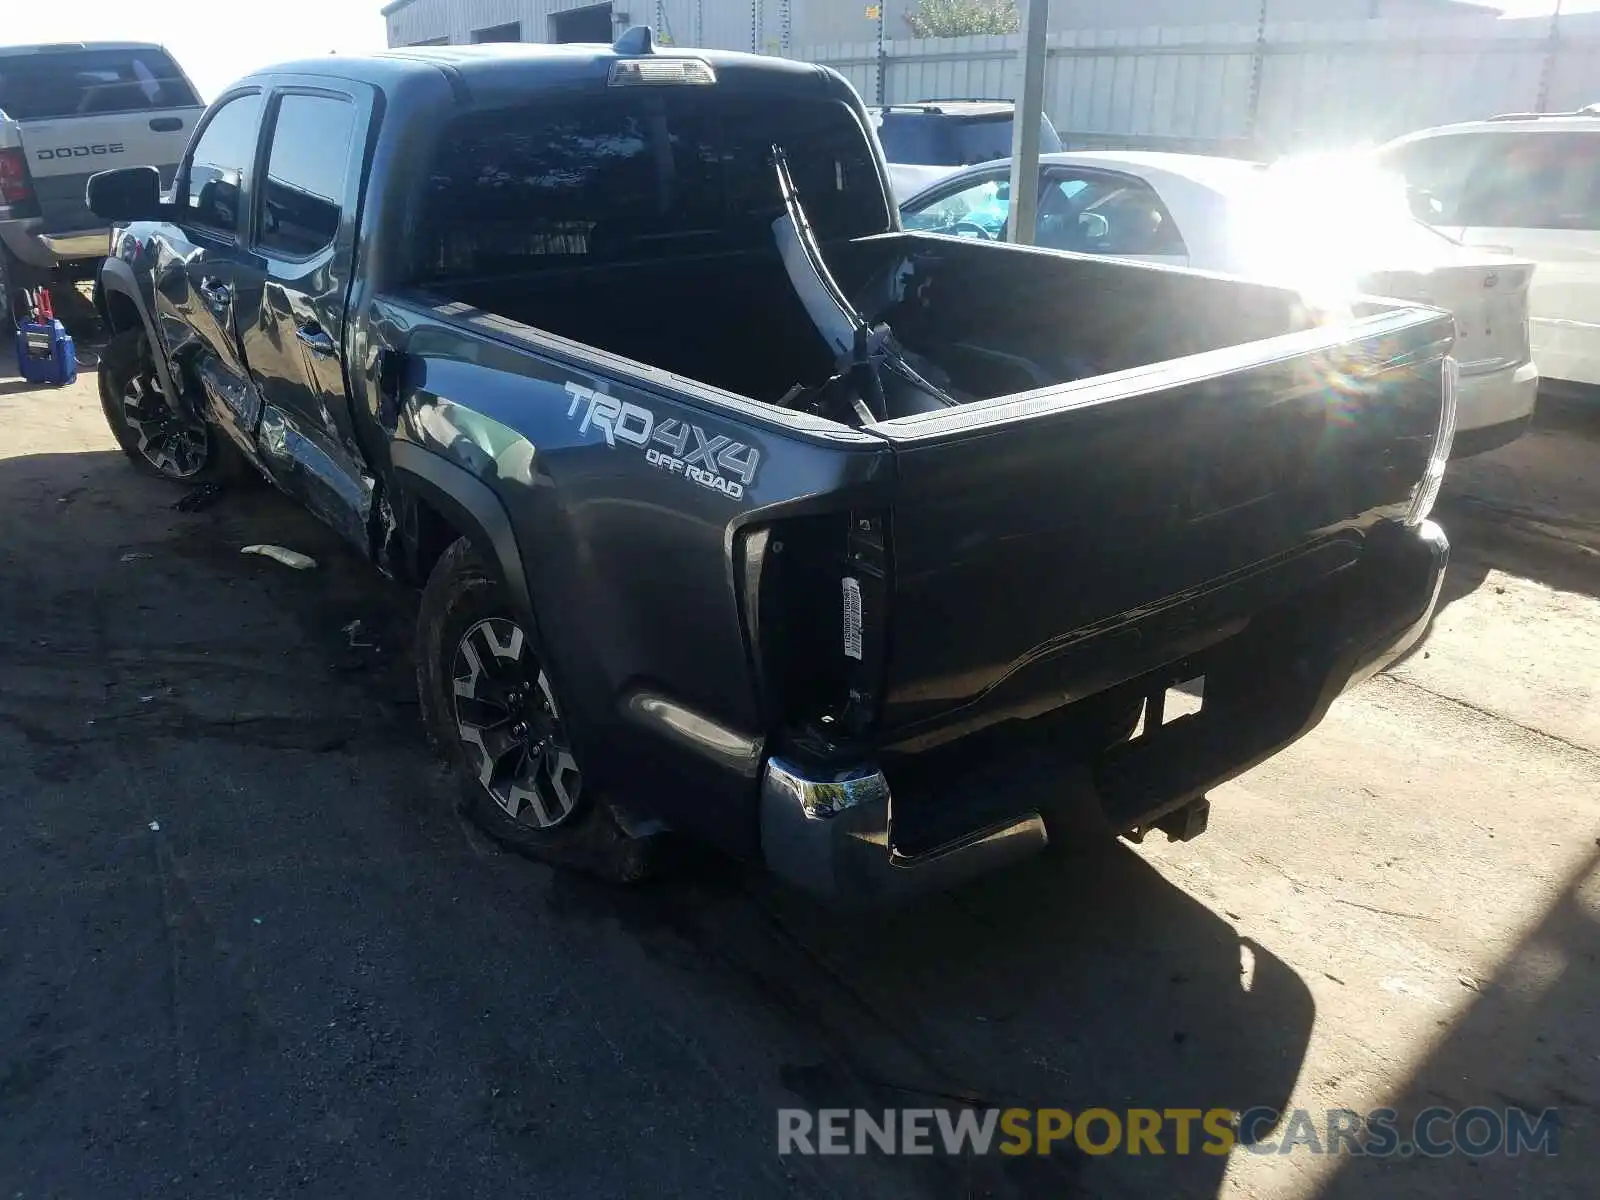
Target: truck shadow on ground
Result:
[1529, 1041]
[1500, 510]
[319, 974]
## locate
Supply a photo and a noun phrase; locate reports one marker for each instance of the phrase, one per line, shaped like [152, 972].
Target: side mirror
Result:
[126, 194]
[1425, 206]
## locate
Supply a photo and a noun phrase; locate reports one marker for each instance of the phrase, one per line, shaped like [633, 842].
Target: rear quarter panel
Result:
[628, 537]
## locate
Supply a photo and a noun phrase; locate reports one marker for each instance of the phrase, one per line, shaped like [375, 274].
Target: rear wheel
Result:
[492, 710]
[156, 438]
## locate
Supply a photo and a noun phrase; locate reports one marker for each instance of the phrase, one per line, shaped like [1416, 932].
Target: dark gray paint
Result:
[1017, 529]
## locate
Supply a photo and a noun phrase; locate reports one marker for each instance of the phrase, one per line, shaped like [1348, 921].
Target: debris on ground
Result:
[354, 635]
[155, 826]
[136, 555]
[200, 498]
[289, 558]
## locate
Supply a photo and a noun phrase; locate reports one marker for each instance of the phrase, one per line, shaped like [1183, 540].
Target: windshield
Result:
[945, 140]
[632, 177]
[81, 83]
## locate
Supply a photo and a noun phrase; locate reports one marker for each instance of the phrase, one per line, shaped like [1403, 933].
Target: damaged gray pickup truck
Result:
[883, 558]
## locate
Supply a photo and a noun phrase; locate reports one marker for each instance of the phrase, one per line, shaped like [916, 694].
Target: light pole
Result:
[1025, 123]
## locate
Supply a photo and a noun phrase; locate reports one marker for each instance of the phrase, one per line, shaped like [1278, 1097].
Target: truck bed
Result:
[997, 320]
[1140, 459]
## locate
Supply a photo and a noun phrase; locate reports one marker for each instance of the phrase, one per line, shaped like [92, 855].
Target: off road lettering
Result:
[713, 461]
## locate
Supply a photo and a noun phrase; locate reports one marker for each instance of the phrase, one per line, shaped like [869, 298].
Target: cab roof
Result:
[72, 47]
[497, 72]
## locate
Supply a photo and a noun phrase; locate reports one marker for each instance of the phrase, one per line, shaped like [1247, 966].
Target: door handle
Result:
[215, 292]
[166, 124]
[313, 335]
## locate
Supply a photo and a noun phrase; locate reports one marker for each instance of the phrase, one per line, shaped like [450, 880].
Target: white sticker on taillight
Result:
[852, 617]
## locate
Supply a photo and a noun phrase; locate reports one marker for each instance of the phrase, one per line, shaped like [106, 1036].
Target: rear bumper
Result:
[30, 243]
[833, 833]
[1494, 408]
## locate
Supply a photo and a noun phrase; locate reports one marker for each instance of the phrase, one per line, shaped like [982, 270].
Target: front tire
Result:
[156, 439]
[492, 711]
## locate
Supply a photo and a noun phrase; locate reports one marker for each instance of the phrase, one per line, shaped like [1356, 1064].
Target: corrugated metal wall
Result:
[723, 24]
[1237, 88]
[1252, 89]
[758, 24]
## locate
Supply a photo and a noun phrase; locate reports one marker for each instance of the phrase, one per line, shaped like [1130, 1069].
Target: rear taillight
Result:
[816, 595]
[15, 186]
[1426, 492]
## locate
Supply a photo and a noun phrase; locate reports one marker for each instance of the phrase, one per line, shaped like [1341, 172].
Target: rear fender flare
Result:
[117, 276]
[474, 509]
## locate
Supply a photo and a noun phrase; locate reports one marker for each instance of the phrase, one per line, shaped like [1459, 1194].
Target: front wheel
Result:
[157, 439]
[492, 710]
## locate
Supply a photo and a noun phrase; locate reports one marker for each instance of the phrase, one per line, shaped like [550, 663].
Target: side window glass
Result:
[1106, 215]
[300, 208]
[221, 159]
[1436, 172]
[976, 211]
[1536, 181]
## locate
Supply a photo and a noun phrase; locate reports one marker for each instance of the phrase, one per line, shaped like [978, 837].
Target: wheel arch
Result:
[472, 509]
[122, 307]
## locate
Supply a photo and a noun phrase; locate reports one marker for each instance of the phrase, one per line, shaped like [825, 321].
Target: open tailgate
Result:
[1048, 546]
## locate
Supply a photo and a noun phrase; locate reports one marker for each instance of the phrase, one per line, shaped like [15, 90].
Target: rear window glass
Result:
[81, 83]
[942, 140]
[1526, 179]
[625, 178]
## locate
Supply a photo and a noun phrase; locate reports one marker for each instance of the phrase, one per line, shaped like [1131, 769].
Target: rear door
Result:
[292, 294]
[81, 110]
[198, 272]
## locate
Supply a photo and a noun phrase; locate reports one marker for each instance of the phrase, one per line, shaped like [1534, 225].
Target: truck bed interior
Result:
[993, 321]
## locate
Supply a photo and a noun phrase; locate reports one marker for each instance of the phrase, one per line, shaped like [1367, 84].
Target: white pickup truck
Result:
[67, 111]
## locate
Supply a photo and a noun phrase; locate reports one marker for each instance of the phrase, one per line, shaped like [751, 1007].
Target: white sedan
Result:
[1331, 228]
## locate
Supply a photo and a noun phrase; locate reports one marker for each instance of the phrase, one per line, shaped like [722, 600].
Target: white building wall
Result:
[760, 24]
[1229, 86]
[719, 24]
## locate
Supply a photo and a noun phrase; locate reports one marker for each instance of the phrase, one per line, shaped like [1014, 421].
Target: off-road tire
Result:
[463, 603]
[192, 453]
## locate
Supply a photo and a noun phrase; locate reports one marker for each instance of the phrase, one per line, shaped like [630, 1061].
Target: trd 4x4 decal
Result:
[716, 462]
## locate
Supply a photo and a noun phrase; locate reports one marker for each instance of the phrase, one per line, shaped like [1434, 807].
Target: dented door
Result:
[293, 297]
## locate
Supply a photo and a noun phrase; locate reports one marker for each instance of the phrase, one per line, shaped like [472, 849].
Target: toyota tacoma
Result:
[736, 510]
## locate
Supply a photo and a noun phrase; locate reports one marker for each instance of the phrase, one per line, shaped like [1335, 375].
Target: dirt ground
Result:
[247, 948]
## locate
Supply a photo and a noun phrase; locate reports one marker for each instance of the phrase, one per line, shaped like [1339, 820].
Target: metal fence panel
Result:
[1249, 89]
[1231, 88]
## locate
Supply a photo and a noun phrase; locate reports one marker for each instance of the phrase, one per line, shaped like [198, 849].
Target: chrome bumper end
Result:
[831, 834]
